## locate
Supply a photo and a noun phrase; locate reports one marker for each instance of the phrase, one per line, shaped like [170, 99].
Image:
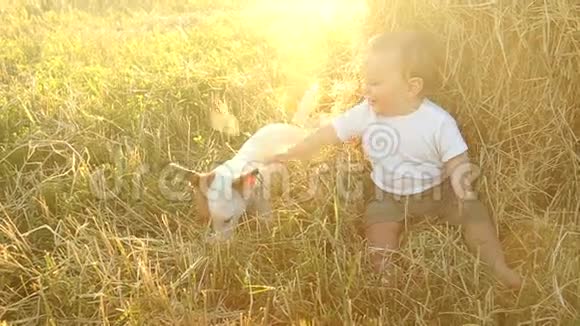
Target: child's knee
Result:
[383, 211]
[384, 236]
[465, 212]
[473, 212]
[388, 229]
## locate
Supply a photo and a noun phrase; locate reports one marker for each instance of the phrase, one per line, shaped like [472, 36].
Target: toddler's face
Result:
[386, 88]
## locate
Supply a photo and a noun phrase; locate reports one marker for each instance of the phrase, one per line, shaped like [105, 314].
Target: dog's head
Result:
[220, 198]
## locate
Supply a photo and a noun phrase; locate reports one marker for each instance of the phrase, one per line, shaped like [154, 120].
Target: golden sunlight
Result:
[304, 33]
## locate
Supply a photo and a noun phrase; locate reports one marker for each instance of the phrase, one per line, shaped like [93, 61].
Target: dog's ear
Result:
[246, 180]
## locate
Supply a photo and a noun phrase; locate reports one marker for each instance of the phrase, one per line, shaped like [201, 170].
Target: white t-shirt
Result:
[407, 152]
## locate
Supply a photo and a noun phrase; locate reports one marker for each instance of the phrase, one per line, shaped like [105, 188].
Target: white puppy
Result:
[225, 193]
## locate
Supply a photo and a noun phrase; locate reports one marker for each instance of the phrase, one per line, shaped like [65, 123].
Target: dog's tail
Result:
[306, 106]
[188, 172]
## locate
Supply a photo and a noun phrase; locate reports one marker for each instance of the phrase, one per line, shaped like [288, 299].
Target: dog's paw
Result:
[263, 209]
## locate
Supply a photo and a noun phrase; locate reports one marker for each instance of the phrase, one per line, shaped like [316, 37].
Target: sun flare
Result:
[306, 35]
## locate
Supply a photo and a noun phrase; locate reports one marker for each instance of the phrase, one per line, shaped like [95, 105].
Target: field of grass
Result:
[97, 97]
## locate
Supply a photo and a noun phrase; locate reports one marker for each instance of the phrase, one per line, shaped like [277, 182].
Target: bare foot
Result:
[507, 276]
[389, 278]
[388, 273]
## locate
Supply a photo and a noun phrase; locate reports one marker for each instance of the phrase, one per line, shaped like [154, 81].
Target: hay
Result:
[103, 101]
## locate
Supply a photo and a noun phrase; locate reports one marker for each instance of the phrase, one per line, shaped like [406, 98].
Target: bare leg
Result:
[264, 209]
[261, 206]
[383, 239]
[480, 235]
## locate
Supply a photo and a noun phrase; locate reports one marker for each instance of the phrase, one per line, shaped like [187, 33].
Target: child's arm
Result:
[453, 152]
[461, 174]
[312, 144]
[343, 127]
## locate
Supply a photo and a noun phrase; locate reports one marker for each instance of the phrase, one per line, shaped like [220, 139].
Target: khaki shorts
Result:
[439, 201]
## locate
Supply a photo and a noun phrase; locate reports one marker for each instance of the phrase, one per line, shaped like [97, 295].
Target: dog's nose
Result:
[211, 239]
[218, 237]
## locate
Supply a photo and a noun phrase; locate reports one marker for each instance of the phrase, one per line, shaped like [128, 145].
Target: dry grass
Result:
[125, 90]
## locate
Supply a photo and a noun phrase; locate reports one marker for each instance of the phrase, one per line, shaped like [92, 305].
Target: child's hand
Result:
[306, 148]
[462, 173]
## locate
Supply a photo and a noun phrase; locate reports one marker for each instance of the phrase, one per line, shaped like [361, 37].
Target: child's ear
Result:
[247, 179]
[415, 86]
